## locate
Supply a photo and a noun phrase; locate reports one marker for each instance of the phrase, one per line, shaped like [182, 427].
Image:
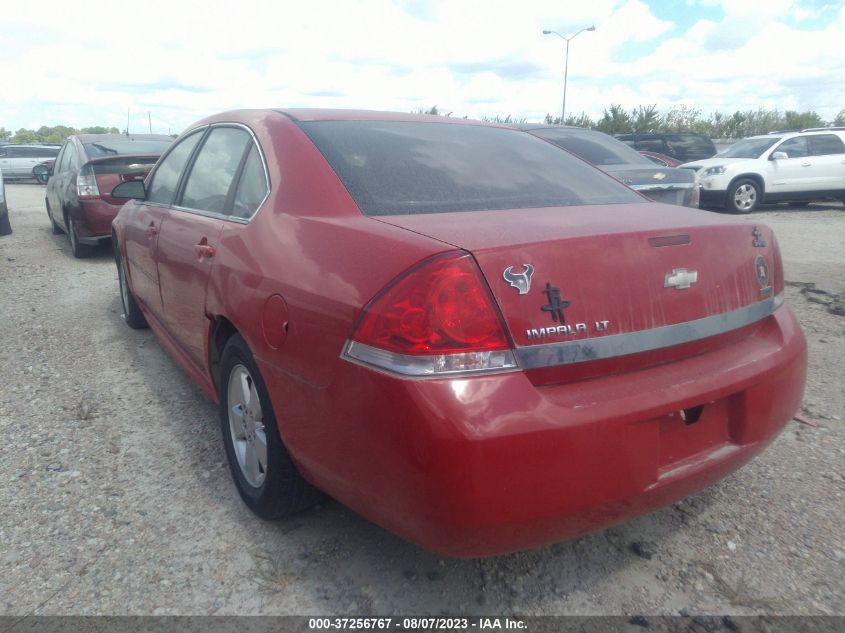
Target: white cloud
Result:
[79, 64]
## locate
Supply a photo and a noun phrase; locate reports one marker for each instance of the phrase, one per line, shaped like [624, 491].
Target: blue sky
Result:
[81, 64]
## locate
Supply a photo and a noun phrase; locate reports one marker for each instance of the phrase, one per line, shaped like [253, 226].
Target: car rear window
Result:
[98, 149]
[595, 147]
[399, 168]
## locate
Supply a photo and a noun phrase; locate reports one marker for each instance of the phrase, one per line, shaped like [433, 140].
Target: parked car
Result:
[88, 167]
[778, 167]
[5, 224]
[683, 146]
[17, 161]
[672, 186]
[660, 159]
[469, 336]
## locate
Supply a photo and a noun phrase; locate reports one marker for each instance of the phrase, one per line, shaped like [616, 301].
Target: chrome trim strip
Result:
[569, 352]
[419, 366]
[667, 187]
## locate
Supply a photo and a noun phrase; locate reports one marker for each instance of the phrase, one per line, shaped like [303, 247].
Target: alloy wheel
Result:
[246, 424]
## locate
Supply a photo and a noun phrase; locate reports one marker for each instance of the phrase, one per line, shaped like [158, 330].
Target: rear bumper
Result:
[94, 220]
[712, 197]
[492, 464]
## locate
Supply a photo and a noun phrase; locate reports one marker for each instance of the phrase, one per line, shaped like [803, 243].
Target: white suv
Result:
[776, 167]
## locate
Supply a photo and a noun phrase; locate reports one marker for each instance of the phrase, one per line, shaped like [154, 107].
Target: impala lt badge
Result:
[680, 279]
[758, 241]
[520, 281]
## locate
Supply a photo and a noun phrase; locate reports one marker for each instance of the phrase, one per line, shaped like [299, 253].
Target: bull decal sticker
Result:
[520, 281]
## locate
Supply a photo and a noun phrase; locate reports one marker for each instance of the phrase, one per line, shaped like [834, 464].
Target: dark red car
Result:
[660, 159]
[476, 340]
[87, 168]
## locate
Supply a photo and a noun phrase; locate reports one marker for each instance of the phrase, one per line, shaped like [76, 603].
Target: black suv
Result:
[685, 146]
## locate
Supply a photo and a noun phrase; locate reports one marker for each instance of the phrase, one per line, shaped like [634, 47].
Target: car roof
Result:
[88, 138]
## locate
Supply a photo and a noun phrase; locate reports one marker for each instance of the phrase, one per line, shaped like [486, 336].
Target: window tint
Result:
[650, 145]
[392, 167]
[214, 169]
[595, 147]
[2, 152]
[13, 152]
[166, 177]
[750, 147]
[252, 187]
[68, 158]
[794, 147]
[823, 144]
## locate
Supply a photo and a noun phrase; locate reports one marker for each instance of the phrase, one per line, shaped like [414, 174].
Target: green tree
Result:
[5, 135]
[802, 120]
[615, 120]
[645, 118]
[839, 121]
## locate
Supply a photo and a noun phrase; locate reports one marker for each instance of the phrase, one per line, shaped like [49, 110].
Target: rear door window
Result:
[165, 179]
[211, 176]
[252, 187]
[825, 144]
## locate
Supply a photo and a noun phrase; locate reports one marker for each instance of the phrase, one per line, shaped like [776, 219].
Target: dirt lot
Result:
[115, 497]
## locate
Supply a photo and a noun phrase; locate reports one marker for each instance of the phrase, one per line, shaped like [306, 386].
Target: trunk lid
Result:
[110, 171]
[661, 184]
[601, 271]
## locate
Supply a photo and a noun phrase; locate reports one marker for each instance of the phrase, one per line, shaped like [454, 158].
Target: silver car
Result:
[17, 161]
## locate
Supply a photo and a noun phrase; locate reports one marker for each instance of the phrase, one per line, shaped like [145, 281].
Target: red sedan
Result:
[469, 336]
[78, 182]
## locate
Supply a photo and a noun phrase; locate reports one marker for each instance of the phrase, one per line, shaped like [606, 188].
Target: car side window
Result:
[211, 176]
[57, 165]
[2, 152]
[165, 178]
[252, 187]
[825, 144]
[69, 158]
[794, 147]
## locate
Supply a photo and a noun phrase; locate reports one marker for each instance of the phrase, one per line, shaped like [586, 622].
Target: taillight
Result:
[86, 183]
[439, 318]
[695, 198]
[778, 281]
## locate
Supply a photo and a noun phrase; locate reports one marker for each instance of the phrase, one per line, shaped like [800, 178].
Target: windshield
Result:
[750, 147]
[392, 167]
[120, 147]
[595, 147]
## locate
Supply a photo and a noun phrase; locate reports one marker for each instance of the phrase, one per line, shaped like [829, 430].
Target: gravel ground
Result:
[115, 497]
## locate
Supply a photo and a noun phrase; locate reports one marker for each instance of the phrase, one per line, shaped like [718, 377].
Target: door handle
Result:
[204, 250]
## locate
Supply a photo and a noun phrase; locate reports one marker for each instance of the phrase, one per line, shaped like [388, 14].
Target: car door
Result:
[146, 218]
[62, 185]
[793, 174]
[827, 151]
[188, 239]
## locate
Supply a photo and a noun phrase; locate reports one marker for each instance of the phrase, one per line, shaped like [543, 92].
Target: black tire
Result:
[278, 490]
[77, 249]
[57, 230]
[131, 312]
[5, 224]
[744, 196]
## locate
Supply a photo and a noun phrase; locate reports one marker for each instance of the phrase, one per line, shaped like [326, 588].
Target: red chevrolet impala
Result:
[464, 333]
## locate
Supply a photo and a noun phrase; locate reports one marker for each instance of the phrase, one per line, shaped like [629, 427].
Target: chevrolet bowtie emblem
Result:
[680, 279]
[659, 176]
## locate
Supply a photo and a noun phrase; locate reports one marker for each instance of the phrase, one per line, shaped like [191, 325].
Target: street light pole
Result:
[566, 64]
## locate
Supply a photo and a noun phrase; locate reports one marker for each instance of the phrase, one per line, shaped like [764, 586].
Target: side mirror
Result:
[130, 190]
[778, 156]
[42, 173]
